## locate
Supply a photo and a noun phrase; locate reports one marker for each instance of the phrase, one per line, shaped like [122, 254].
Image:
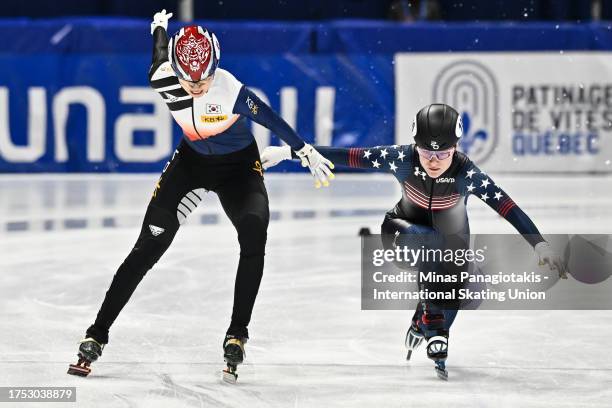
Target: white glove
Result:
[319, 166]
[160, 20]
[546, 255]
[272, 155]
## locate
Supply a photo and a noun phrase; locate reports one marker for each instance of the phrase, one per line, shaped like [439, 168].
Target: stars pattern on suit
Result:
[482, 186]
[418, 190]
[481, 190]
[387, 158]
[391, 156]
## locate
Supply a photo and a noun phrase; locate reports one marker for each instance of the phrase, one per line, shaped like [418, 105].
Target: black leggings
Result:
[237, 179]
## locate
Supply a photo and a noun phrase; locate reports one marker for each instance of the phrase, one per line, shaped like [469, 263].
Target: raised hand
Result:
[160, 20]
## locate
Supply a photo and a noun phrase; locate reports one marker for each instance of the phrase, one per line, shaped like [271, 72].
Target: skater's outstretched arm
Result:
[389, 159]
[249, 105]
[481, 185]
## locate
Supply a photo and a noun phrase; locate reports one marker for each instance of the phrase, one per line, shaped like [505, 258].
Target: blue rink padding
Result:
[354, 58]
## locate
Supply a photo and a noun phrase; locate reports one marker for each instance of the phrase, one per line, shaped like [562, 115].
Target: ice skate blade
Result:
[408, 355]
[442, 374]
[229, 376]
[441, 371]
[78, 370]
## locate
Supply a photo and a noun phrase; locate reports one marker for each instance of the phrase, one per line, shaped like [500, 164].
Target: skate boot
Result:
[437, 350]
[414, 338]
[233, 354]
[89, 351]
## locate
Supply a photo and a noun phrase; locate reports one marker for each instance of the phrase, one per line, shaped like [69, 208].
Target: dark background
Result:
[403, 10]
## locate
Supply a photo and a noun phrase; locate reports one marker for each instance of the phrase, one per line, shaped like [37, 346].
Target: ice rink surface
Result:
[62, 238]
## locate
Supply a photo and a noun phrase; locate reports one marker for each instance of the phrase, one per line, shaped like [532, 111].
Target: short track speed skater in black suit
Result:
[217, 154]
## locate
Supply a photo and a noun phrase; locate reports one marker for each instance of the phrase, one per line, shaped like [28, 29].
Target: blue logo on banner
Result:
[470, 136]
[470, 88]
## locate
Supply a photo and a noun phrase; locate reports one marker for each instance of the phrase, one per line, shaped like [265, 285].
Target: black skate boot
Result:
[89, 351]
[414, 338]
[233, 354]
[437, 350]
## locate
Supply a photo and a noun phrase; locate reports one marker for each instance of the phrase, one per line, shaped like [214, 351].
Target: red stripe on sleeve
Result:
[354, 157]
[512, 205]
[506, 207]
[503, 205]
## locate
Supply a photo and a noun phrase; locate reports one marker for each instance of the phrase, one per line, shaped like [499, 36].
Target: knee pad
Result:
[252, 234]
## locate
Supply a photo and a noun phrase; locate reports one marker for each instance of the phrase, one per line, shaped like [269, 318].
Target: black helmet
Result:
[437, 127]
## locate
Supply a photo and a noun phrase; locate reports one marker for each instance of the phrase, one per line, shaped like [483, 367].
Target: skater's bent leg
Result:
[397, 231]
[247, 207]
[150, 246]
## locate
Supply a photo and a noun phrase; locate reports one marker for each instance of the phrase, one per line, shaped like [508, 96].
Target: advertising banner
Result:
[522, 112]
[97, 113]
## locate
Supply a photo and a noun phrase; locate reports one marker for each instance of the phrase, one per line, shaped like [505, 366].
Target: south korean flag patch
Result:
[212, 109]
